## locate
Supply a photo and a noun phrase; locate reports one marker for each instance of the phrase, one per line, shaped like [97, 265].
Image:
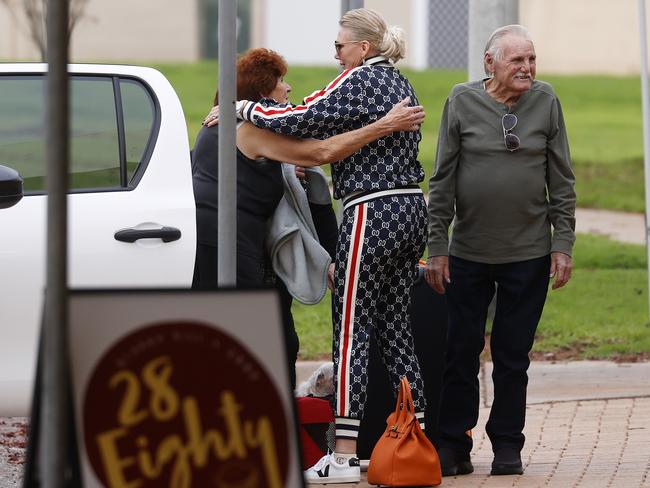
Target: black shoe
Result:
[507, 461]
[453, 464]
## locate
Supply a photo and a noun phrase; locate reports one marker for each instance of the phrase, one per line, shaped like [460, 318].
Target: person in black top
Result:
[260, 75]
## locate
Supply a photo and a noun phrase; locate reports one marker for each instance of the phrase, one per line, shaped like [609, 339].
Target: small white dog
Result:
[319, 384]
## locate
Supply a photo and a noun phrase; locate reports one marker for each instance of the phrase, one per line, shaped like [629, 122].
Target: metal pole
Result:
[484, 17]
[227, 214]
[54, 407]
[345, 6]
[350, 5]
[645, 97]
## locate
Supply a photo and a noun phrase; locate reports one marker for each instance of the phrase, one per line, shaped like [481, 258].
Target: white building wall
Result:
[419, 37]
[571, 36]
[303, 31]
[124, 30]
[149, 30]
[584, 36]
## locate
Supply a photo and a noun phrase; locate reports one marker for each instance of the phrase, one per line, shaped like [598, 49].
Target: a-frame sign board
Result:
[179, 388]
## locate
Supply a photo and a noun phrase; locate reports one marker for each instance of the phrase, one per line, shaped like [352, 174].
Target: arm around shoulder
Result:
[316, 152]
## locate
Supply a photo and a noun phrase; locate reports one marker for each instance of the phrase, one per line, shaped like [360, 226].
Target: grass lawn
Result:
[601, 313]
[603, 117]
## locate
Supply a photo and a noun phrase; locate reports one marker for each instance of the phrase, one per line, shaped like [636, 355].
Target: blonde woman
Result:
[383, 231]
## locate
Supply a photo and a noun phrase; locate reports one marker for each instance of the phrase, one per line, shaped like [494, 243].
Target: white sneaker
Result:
[334, 469]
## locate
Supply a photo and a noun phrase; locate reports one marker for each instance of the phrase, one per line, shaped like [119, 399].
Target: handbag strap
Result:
[404, 410]
[404, 413]
[407, 397]
[400, 399]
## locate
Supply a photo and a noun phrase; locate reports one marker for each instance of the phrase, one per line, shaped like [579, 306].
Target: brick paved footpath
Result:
[587, 425]
[587, 443]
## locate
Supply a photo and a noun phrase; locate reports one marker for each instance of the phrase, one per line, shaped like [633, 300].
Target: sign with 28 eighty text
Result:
[172, 389]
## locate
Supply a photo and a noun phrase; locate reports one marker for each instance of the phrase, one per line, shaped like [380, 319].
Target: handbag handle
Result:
[404, 410]
[407, 397]
[404, 405]
[400, 398]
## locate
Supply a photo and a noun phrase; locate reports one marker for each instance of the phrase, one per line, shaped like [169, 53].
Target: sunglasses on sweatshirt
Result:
[508, 122]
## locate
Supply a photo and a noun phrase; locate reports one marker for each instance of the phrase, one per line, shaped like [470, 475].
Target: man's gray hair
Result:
[493, 46]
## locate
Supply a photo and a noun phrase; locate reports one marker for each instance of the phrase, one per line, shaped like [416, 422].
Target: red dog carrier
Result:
[316, 428]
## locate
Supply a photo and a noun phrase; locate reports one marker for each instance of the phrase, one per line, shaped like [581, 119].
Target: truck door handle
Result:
[167, 234]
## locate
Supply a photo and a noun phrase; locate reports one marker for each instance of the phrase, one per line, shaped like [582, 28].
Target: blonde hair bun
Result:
[394, 44]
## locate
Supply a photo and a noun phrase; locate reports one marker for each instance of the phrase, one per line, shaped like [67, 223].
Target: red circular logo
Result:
[181, 405]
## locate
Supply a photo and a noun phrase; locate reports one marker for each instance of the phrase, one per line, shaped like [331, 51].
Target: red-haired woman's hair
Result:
[258, 71]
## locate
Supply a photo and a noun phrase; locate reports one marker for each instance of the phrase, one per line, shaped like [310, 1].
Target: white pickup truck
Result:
[131, 205]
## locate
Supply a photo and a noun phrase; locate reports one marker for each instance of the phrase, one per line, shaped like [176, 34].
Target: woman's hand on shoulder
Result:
[212, 118]
[403, 117]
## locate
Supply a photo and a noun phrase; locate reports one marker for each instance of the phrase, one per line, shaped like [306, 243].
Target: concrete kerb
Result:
[579, 380]
[560, 381]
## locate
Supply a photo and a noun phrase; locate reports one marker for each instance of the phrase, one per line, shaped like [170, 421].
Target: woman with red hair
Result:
[260, 187]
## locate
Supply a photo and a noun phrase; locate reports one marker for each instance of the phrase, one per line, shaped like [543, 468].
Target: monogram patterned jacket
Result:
[355, 98]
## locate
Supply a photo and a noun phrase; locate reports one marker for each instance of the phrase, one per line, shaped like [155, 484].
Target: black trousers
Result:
[291, 336]
[521, 292]
[251, 273]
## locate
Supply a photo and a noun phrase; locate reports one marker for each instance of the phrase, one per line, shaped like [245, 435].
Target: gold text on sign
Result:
[183, 451]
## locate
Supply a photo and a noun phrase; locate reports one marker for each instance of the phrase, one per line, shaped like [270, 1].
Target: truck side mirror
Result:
[11, 187]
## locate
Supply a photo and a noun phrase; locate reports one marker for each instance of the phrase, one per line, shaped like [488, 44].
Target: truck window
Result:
[94, 145]
[22, 133]
[139, 113]
[100, 159]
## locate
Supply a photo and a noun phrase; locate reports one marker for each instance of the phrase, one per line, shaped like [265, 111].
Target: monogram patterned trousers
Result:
[380, 243]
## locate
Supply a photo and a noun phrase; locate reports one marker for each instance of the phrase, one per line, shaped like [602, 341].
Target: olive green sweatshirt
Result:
[502, 203]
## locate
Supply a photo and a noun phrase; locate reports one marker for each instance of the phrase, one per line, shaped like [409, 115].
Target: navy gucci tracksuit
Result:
[382, 234]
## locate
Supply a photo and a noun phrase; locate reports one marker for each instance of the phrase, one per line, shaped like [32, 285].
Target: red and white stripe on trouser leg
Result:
[348, 310]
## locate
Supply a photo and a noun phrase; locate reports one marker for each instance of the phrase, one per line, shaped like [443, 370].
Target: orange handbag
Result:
[403, 456]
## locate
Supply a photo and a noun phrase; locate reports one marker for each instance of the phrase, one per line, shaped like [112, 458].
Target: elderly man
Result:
[503, 172]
